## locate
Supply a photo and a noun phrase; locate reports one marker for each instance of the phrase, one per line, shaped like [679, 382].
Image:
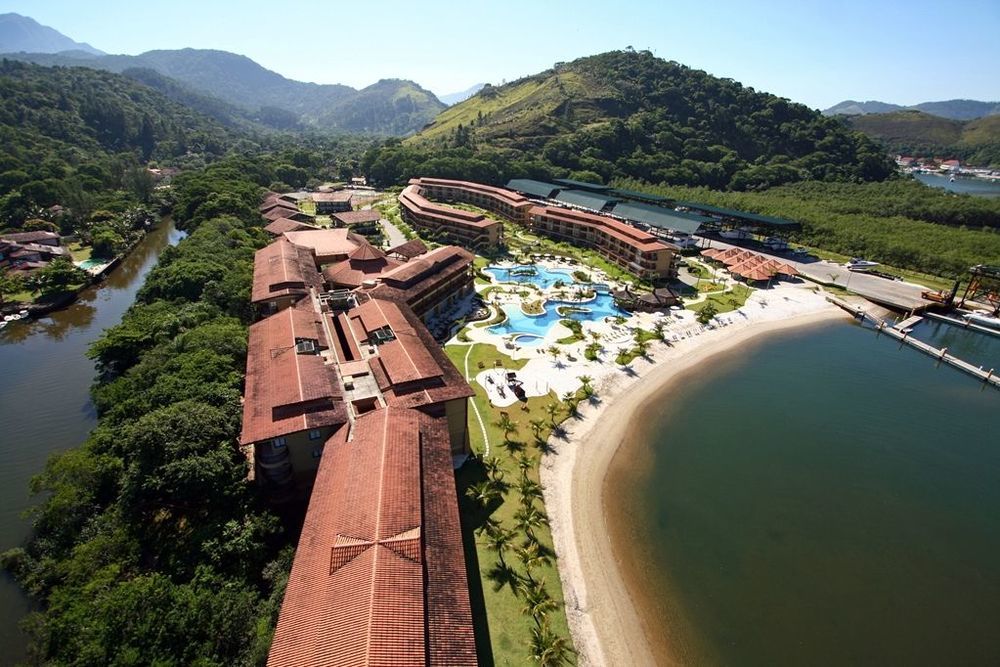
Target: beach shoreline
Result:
[605, 621]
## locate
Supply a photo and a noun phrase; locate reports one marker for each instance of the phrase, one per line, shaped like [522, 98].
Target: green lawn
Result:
[80, 252]
[503, 629]
[725, 302]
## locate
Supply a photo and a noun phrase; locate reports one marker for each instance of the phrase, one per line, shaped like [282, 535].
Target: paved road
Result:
[393, 237]
[898, 294]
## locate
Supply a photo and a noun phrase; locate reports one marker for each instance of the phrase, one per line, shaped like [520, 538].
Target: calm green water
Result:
[824, 499]
[45, 407]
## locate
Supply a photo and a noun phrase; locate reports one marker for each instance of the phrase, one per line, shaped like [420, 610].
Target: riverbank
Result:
[606, 622]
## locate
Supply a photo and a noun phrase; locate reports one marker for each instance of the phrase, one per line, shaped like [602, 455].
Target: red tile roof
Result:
[30, 237]
[282, 225]
[409, 249]
[276, 212]
[509, 196]
[338, 196]
[634, 237]
[379, 575]
[426, 265]
[326, 242]
[412, 370]
[282, 269]
[286, 391]
[357, 217]
[411, 198]
[273, 204]
[364, 263]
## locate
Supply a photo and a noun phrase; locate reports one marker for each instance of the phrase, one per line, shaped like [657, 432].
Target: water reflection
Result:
[45, 400]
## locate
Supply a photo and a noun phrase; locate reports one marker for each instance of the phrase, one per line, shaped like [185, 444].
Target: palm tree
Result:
[530, 491]
[498, 538]
[494, 470]
[571, 401]
[525, 463]
[537, 601]
[658, 331]
[642, 347]
[585, 382]
[537, 425]
[530, 517]
[531, 555]
[548, 648]
[555, 352]
[483, 493]
[507, 425]
[552, 409]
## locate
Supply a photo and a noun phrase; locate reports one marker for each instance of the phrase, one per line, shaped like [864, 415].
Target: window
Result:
[318, 452]
[315, 434]
[278, 443]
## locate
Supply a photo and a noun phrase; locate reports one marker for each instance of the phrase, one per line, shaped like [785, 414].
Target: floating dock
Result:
[965, 324]
[901, 333]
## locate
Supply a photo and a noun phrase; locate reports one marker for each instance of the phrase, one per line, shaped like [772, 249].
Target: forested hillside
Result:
[921, 134]
[389, 107]
[149, 547]
[628, 114]
[75, 136]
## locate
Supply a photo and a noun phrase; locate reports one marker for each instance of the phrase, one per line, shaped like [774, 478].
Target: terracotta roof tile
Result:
[357, 217]
[281, 225]
[282, 269]
[287, 391]
[379, 574]
[409, 249]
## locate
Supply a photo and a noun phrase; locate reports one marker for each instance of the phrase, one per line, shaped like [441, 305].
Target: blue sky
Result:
[815, 53]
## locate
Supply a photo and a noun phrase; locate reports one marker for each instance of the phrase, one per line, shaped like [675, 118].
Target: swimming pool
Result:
[532, 328]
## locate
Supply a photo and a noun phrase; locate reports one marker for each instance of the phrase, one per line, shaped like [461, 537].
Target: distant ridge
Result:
[953, 109]
[24, 34]
[455, 98]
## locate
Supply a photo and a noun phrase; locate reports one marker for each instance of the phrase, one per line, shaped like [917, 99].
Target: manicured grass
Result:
[499, 611]
[307, 206]
[577, 332]
[80, 252]
[726, 301]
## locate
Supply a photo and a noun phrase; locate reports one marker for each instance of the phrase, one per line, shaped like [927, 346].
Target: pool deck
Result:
[544, 374]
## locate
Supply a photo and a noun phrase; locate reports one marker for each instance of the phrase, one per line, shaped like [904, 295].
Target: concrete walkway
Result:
[393, 236]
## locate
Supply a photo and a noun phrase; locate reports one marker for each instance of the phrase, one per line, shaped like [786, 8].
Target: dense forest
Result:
[149, 547]
[222, 79]
[627, 114]
[901, 223]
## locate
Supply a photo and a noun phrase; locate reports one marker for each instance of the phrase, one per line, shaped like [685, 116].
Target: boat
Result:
[776, 244]
[951, 180]
[983, 320]
[858, 264]
[737, 234]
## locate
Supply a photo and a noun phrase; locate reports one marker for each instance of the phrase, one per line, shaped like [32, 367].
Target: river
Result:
[822, 497]
[45, 401]
[972, 186]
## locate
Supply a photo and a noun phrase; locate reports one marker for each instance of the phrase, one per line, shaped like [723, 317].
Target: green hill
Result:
[389, 107]
[920, 134]
[68, 133]
[627, 114]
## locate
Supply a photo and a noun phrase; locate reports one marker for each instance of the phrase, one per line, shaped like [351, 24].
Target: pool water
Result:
[534, 327]
[92, 263]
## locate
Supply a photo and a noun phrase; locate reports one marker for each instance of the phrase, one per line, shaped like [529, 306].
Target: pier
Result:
[900, 332]
[965, 324]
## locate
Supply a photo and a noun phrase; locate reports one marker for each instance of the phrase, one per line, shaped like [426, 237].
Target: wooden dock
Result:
[900, 333]
[965, 324]
[908, 323]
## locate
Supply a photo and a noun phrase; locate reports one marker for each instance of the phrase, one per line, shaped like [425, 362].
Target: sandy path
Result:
[606, 627]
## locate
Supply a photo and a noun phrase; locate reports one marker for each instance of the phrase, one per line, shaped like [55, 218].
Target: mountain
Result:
[389, 107]
[953, 109]
[921, 134]
[21, 33]
[628, 114]
[853, 108]
[455, 98]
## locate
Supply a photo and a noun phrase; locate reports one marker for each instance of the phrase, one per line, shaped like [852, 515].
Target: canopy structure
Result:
[712, 253]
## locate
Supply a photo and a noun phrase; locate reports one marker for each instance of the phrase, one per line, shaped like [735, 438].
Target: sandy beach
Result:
[606, 626]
